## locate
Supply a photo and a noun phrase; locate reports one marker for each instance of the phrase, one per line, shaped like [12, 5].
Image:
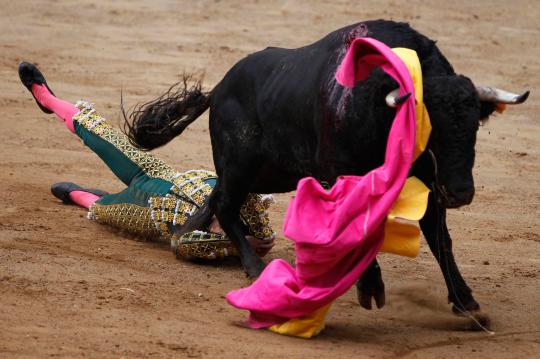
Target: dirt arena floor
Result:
[72, 288]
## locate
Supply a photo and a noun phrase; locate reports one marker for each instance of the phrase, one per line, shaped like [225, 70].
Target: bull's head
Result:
[456, 108]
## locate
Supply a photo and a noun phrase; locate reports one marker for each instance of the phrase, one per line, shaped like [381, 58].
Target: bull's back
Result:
[296, 73]
[281, 91]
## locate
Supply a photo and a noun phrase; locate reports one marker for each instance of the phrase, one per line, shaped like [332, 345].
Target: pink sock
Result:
[63, 109]
[83, 199]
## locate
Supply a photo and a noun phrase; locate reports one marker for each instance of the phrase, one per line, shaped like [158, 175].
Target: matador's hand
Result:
[261, 246]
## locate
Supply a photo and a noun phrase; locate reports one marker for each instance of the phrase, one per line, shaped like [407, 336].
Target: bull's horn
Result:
[394, 100]
[492, 94]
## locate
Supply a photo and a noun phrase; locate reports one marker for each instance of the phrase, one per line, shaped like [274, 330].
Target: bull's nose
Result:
[467, 197]
[460, 198]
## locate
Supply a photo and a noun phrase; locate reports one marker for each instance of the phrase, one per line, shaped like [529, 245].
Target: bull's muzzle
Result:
[458, 198]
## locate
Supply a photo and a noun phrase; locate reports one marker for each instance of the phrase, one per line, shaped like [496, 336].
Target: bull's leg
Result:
[235, 145]
[433, 226]
[226, 200]
[370, 285]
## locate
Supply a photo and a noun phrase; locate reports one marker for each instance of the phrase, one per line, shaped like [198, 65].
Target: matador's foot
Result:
[29, 75]
[62, 190]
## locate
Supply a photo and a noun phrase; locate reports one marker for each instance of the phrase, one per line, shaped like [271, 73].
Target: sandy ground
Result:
[72, 288]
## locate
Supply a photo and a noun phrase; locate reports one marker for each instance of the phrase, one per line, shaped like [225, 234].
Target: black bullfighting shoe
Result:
[61, 190]
[30, 75]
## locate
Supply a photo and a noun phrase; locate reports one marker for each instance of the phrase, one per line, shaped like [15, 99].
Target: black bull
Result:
[278, 116]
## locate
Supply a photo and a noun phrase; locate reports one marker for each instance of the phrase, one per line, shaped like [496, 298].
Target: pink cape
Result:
[337, 233]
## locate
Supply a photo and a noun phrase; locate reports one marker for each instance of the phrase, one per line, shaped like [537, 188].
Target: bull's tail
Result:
[155, 123]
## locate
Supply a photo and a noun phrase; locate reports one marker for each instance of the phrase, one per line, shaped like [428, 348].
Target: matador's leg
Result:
[110, 144]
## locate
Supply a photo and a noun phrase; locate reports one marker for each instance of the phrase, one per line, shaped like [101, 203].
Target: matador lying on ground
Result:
[157, 197]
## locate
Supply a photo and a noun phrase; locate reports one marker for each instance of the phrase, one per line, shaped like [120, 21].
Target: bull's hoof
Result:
[365, 298]
[255, 269]
[371, 286]
[478, 320]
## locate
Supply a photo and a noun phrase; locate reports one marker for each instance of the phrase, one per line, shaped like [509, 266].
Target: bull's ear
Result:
[486, 109]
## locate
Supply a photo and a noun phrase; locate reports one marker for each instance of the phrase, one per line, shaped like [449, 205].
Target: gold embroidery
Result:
[254, 212]
[191, 185]
[202, 245]
[169, 210]
[93, 122]
[129, 217]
